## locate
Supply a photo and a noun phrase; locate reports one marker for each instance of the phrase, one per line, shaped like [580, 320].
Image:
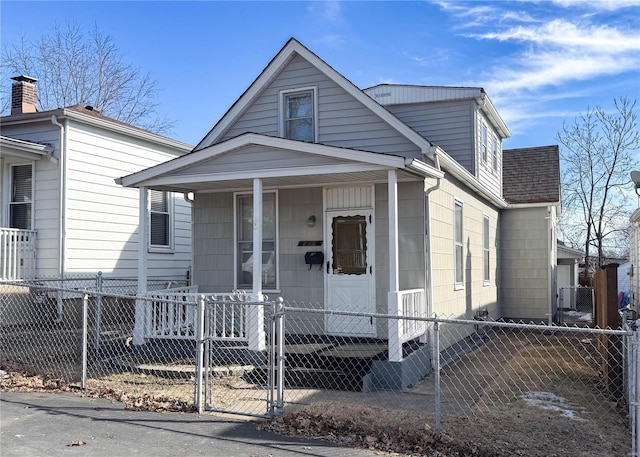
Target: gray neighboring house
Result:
[528, 245]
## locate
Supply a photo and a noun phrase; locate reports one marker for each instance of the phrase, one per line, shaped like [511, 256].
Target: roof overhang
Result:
[197, 171]
[13, 147]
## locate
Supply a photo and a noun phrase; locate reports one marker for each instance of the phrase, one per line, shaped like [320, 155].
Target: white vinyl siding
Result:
[342, 120]
[494, 156]
[458, 239]
[20, 205]
[488, 167]
[486, 275]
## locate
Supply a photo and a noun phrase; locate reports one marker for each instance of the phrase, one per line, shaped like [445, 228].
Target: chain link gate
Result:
[239, 355]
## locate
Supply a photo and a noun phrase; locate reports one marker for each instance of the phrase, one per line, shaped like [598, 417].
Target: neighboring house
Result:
[569, 260]
[531, 186]
[61, 213]
[399, 190]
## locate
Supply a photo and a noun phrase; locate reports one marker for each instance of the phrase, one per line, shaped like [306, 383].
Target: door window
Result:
[349, 245]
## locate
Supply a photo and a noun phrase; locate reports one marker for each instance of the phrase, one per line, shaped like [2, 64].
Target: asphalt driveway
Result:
[37, 424]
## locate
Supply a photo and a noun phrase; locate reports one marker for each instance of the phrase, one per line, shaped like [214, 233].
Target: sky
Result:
[542, 63]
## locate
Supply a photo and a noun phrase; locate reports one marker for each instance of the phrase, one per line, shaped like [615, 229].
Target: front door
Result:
[349, 270]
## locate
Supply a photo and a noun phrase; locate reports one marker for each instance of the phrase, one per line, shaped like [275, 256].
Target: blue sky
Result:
[541, 62]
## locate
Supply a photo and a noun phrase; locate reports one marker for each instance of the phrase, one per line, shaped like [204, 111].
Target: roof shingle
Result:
[531, 175]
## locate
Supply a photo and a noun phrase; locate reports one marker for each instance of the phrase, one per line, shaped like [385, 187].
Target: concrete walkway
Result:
[37, 424]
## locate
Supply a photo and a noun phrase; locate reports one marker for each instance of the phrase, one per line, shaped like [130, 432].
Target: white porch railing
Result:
[412, 304]
[171, 313]
[17, 254]
[405, 303]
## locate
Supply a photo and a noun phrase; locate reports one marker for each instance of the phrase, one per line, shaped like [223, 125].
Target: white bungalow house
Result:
[61, 213]
[384, 200]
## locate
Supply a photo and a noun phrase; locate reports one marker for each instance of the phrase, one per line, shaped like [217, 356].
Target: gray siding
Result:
[525, 263]
[343, 121]
[447, 124]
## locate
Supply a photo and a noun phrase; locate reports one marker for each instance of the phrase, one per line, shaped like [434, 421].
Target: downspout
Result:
[62, 160]
[427, 205]
[550, 269]
[189, 200]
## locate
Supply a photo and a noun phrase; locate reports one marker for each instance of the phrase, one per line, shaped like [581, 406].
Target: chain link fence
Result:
[179, 350]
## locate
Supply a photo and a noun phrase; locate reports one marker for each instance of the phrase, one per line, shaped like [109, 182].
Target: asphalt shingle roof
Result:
[531, 175]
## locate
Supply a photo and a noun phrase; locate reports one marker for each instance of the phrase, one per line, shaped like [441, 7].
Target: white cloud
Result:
[327, 10]
[603, 5]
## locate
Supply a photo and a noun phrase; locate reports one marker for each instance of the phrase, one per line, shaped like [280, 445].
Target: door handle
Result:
[327, 267]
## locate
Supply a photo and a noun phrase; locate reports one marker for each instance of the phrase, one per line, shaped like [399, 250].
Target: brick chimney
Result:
[24, 95]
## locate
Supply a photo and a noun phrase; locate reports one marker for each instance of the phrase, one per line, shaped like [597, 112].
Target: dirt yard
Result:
[528, 399]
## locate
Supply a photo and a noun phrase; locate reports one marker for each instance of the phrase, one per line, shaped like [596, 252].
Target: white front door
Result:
[349, 270]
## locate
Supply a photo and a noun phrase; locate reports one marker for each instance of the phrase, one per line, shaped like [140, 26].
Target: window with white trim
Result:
[160, 225]
[20, 206]
[485, 250]
[483, 145]
[495, 154]
[458, 231]
[298, 108]
[244, 241]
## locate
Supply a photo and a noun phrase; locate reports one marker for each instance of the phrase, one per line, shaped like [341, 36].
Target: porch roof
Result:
[233, 164]
[13, 147]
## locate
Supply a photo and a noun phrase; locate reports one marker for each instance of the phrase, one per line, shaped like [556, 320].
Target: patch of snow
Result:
[553, 402]
[586, 317]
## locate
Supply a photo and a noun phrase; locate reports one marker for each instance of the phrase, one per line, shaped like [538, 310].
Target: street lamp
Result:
[635, 177]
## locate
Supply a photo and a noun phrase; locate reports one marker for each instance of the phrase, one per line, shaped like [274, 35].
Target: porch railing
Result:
[412, 304]
[171, 313]
[17, 254]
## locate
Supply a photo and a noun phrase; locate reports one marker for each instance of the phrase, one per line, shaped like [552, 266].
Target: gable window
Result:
[160, 215]
[495, 154]
[299, 113]
[483, 146]
[244, 241]
[485, 249]
[458, 245]
[20, 206]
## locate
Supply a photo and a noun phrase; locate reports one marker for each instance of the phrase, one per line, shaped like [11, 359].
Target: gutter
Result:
[63, 207]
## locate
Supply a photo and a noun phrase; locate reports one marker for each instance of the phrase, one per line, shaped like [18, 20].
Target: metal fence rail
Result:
[457, 374]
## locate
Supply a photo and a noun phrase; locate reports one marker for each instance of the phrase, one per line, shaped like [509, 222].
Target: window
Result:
[160, 226]
[483, 146]
[459, 245]
[495, 154]
[244, 241]
[485, 249]
[21, 193]
[298, 115]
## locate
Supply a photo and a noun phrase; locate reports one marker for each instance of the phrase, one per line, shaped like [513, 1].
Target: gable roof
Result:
[92, 116]
[291, 48]
[531, 175]
[209, 168]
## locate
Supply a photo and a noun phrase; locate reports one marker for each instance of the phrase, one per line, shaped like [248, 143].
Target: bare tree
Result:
[597, 156]
[72, 68]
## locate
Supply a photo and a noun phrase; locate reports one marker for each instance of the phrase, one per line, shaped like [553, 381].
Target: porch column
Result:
[255, 318]
[395, 345]
[143, 243]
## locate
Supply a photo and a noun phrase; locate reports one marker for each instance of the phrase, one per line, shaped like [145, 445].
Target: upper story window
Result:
[160, 216]
[20, 206]
[458, 245]
[483, 145]
[299, 114]
[495, 154]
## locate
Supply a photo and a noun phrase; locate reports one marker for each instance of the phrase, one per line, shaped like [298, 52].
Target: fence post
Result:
[635, 403]
[395, 331]
[280, 354]
[271, 379]
[200, 354]
[436, 375]
[98, 310]
[85, 334]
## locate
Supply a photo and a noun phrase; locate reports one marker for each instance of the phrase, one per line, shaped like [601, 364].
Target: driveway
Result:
[37, 424]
